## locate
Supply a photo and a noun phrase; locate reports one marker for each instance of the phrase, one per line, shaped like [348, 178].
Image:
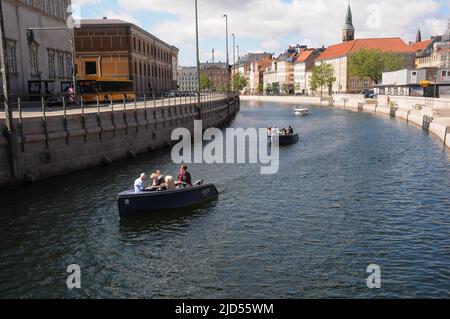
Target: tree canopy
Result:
[205, 82]
[239, 82]
[372, 63]
[322, 76]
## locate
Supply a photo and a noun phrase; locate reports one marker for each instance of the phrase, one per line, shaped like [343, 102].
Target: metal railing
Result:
[63, 104]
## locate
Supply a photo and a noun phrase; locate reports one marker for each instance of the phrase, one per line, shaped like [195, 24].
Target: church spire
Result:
[349, 29]
[419, 36]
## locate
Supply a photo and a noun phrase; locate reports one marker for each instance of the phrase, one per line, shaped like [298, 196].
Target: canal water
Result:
[358, 189]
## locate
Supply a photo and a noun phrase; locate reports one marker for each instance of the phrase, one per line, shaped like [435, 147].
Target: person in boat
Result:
[158, 182]
[140, 184]
[184, 177]
[290, 130]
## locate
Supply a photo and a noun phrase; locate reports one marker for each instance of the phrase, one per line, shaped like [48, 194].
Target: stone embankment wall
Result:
[57, 145]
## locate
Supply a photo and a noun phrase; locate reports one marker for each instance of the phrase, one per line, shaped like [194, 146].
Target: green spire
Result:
[349, 19]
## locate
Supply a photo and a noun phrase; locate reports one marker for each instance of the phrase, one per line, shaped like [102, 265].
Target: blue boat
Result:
[133, 204]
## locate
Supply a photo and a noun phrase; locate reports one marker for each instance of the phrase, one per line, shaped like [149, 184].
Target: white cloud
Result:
[312, 22]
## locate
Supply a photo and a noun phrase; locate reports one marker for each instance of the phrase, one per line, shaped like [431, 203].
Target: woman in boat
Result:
[184, 177]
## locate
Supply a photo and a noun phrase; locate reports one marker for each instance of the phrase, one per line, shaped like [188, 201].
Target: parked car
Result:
[368, 94]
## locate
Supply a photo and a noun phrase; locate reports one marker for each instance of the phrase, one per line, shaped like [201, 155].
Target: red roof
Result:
[395, 45]
[304, 55]
[420, 46]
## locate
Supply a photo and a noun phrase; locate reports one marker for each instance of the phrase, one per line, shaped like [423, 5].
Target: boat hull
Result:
[284, 140]
[133, 204]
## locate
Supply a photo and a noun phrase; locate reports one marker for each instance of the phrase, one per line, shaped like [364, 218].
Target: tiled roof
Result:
[395, 45]
[420, 46]
[304, 55]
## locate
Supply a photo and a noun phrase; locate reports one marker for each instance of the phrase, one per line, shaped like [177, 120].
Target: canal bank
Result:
[433, 115]
[56, 144]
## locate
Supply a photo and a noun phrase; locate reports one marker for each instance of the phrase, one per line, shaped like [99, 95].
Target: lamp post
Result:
[198, 57]
[234, 54]
[228, 58]
[72, 42]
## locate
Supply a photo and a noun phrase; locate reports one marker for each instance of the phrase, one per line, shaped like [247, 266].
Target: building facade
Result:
[218, 73]
[256, 74]
[113, 48]
[187, 78]
[39, 63]
[337, 56]
[303, 70]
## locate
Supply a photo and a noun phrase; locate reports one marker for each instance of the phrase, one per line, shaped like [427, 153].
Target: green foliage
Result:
[239, 82]
[269, 88]
[372, 63]
[260, 88]
[205, 82]
[322, 76]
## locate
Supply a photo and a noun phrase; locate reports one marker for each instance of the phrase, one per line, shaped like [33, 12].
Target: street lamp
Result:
[234, 53]
[228, 58]
[198, 56]
[72, 42]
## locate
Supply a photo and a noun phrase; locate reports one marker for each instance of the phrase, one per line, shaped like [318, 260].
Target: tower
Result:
[419, 36]
[349, 30]
[213, 51]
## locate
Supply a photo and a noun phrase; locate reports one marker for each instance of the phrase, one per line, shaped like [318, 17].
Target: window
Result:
[90, 67]
[64, 13]
[11, 56]
[34, 59]
[29, 2]
[56, 8]
[61, 70]
[69, 65]
[46, 6]
[51, 64]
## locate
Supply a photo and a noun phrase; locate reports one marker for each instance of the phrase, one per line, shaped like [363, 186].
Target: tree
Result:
[283, 88]
[297, 87]
[239, 82]
[372, 63]
[322, 75]
[205, 82]
[260, 88]
[269, 88]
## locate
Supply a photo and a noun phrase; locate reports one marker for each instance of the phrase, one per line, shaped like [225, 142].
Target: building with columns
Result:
[115, 48]
[39, 63]
[187, 78]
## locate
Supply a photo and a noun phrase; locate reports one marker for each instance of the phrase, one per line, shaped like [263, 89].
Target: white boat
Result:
[301, 111]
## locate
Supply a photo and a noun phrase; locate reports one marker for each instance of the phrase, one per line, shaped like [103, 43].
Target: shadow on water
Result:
[161, 219]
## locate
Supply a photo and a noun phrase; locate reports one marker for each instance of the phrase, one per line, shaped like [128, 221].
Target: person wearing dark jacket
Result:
[184, 177]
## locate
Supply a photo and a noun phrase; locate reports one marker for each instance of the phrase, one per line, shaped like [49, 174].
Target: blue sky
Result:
[270, 26]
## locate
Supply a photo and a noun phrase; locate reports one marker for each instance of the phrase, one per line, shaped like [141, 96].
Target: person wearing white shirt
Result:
[140, 184]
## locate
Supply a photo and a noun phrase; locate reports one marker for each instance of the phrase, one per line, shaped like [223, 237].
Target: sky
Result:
[269, 26]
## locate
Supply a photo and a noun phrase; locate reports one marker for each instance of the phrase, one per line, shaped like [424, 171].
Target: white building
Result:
[303, 71]
[38, 63]
[187, 78]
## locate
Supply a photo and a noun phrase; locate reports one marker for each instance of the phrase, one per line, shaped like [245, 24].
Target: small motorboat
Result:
[284, 140]
[134, 204]
[301, 111]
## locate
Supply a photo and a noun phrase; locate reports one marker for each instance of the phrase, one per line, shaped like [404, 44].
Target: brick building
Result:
[115, 48]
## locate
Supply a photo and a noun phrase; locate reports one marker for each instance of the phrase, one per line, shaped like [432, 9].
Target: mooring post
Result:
[135, 114]
[113, 121]
[19, 106]
[125, 116]
[99, 119]
[145, 112]
[66, 129]
[44, 122]
[83, 119]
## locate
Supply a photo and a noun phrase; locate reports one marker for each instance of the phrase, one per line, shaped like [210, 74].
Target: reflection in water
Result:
[357, 189]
